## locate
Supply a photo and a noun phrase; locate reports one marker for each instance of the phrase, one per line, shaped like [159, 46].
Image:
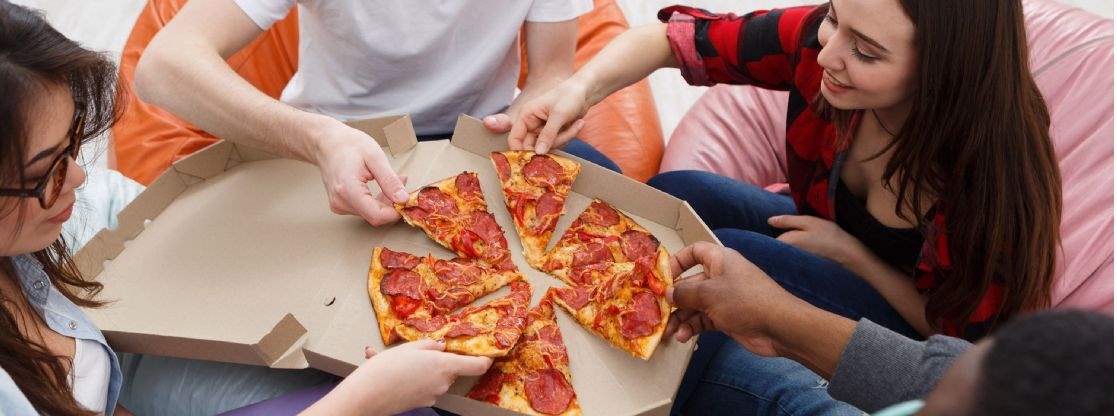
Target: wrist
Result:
[316, 135]
[813, 337]
[585, 83]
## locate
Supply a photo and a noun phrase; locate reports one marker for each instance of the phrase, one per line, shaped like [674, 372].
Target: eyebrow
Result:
[44, 154]
[860, 35]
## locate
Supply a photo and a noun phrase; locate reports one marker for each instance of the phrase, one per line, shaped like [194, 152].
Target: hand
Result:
[819, 237]
[732, 296]
[349, 159]
[550, 120]
[498, 123]
[403, 378]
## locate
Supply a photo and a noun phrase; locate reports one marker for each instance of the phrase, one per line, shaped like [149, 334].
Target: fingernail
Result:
[400, 195]
[540, 149]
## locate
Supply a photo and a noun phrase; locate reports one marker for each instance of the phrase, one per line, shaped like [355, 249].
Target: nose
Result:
[75, 175]
[830, 57]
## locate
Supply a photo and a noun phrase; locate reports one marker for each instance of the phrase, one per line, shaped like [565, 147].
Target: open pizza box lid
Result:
[233, 255]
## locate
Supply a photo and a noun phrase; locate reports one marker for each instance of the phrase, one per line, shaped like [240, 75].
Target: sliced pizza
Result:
[535, 377]
[535, 189]
[404, 286]
[454, 214]
[488, 330]
[601, 236]
[622, 309]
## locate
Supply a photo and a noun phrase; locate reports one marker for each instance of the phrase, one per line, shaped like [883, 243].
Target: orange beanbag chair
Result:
[148, 139]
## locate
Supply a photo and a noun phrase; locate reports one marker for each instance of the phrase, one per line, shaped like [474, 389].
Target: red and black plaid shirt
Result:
[778, 49]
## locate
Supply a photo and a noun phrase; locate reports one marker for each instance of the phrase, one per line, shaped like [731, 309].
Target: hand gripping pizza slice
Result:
[535, 188]
[535, 377]
[454, 214]
[488, 330]
[403, 286]
[623, 309]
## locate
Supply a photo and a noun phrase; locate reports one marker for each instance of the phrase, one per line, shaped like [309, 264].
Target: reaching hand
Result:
[405, 377]
[550, 120]
[732, 295]
[349, 159]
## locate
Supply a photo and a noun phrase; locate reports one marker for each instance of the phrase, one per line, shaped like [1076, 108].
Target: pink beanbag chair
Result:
[738, 132]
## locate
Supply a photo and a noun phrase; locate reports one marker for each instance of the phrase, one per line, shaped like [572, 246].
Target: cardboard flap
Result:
[691, 227]
[275, 344]
[393, 133]
[471, 135]
[209, 162]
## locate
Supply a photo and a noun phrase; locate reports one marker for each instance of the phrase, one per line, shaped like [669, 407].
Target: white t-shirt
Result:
[433, 59]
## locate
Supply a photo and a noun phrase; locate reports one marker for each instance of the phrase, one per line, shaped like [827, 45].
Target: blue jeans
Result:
[575, 146]
[722, 376]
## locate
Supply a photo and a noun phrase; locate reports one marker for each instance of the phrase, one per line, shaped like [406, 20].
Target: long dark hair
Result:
[34, 56]
[977, 140]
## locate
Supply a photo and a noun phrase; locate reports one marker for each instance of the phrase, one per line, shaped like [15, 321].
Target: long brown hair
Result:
[977, 140]
[34, 56]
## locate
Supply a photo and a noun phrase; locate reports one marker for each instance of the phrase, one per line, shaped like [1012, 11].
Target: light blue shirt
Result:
[63, 317]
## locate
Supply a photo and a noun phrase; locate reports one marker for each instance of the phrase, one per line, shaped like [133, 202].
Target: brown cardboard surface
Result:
[242, 261]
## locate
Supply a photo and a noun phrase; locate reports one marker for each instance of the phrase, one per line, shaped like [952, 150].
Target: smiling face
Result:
[868, 55]
[26, 226]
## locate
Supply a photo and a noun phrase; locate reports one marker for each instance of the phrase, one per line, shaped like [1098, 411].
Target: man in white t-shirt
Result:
[432, 59]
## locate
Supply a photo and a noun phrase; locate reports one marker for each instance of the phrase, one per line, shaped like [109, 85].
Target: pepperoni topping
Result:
[468, 186]
[548, 392]
[457, 271]
[404, 306]
[547, 210]
[590, 254]
[397, 260]
[637, 245]
[601, 214]
[642, 317]
[434, 201]
[401, 282]
[485, 226]
[549, 334]
[543, 171]
[426, 324]
[463, 329]
[505, 339]
[585, 274]
[416, 213]
[488, 388]
[503, 169]
[575, 297]
[449, 299]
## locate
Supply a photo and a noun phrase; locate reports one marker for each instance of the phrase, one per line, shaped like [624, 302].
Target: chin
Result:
[841, 103]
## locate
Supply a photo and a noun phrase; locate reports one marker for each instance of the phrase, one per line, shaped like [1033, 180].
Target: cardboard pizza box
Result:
[233, 255]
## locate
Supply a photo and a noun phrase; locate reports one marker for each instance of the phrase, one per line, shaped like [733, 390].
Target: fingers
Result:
[704, 253]
[791, 237]
[685, 333]
[360, 202]
[568, 134]
[369, 352]
[390, 183]
[532, 122]
[792, 221]
[464, 365]
[555, 123]
[689, 294]
[692, 278]
[516, 134]
[498, 123]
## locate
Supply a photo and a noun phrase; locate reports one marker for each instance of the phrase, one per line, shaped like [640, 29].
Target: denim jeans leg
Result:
[724, 202]
[586, 151]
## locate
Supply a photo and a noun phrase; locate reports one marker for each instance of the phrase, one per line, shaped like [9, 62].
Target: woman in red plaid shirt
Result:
[925, 192]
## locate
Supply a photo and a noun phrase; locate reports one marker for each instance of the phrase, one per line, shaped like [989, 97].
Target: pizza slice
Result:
[534, 378]
[601, 236]
[488, 330]
[454, 214]
[535, 190]
[622, 309]
[403, 286]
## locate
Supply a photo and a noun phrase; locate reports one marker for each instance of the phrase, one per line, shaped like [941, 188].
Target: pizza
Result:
[600, 237]
[454, 214]
[535, 189]
[488, 330]
[622, 308]
[404, 286]
[534, 378]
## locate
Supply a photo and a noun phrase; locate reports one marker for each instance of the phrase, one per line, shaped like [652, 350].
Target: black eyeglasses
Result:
[49, 187]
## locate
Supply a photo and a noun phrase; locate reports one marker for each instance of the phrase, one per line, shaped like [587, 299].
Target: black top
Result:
[899, 247]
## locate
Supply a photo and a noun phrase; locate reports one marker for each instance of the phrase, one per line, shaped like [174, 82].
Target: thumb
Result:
[690, 294]
[498, 123]
[464, 365]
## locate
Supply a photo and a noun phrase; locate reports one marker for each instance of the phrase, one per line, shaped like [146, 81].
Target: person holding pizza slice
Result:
[924, 189]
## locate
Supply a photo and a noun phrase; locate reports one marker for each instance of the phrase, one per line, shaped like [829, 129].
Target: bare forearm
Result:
[811, 336]
[183, 71]
[630, 57]
[550, 52]
[896, 288]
